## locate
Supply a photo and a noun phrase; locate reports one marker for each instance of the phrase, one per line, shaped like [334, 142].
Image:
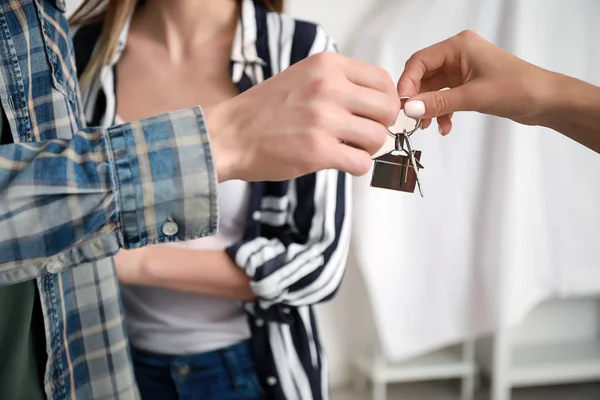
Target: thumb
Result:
[434, 104]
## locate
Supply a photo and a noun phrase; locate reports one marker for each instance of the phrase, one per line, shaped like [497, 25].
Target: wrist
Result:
[130, 266]
[221, 129]
[553, 98]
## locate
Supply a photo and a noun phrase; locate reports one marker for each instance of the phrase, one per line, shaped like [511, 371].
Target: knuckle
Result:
[439, 103]
[321, 87]
[383, 78]
[413, 59]
[316, 117]
[467, 35]
[323, 60]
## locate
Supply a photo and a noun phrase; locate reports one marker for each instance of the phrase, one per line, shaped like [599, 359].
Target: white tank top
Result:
[177, 323]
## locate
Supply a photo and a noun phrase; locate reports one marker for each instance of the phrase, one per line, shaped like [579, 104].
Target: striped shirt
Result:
[296, 241]
[71, 196]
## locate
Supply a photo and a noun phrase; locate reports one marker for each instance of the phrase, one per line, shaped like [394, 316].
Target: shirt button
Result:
[170, 228]
[259, 322]
[54, 267]
[286, 310]
[183, 371]
[271, 381]
[256, 215]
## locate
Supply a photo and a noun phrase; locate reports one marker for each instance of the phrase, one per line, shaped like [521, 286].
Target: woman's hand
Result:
[481, 76]
[128, 264]
[205, 272]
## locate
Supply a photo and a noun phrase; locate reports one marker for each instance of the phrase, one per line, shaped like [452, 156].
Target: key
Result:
[393, 171]
[414, 162]
[402, 123]
[396, 164]
[396, 169]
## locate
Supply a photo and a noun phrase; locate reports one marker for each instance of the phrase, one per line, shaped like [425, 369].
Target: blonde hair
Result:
[114, 14]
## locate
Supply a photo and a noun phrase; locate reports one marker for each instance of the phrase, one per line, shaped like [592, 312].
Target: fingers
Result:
[358, 72]
[367, 76]
[423, 64]
[355, 161]
[363, 133]
[444, 124]
[362, 88]
[374, 105]
[438, 103]
[429, 70]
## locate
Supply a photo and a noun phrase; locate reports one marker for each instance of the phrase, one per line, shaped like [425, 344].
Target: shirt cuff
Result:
[165, 178]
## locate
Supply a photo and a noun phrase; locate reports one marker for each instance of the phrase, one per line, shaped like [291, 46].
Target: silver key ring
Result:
[416, 128]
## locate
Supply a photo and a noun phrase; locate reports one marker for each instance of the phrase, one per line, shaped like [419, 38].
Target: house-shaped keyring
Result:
[395, 171]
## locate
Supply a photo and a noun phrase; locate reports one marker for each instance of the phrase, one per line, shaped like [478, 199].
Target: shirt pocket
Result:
[58, 46]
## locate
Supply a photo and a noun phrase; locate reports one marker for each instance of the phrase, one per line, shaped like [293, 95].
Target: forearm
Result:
[210, 273]
[67, 202]
[574, 110]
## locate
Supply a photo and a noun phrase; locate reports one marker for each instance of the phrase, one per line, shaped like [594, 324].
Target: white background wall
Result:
[346, 325]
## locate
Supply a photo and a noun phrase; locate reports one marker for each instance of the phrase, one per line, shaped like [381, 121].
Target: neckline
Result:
[247, 34]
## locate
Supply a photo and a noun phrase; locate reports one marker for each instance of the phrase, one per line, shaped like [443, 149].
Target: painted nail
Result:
[414, 108]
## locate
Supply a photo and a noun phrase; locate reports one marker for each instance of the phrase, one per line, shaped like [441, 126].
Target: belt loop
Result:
[231, 364]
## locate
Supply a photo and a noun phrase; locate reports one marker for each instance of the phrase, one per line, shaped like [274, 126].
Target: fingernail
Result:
[440, 130]
[414, 109]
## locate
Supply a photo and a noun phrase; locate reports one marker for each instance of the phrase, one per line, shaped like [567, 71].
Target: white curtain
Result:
[511, 214]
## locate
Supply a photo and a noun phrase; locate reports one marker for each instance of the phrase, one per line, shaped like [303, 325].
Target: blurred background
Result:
[488, 287]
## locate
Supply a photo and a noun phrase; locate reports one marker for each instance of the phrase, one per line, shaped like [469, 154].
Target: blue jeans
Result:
[225, 374]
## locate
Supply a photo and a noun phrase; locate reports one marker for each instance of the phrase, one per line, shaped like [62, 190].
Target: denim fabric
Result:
[226, 374]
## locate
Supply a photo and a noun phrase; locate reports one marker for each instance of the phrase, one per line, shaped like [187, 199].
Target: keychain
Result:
[399, 169]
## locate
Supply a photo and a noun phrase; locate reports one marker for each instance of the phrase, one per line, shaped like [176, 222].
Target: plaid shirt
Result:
[72, 196]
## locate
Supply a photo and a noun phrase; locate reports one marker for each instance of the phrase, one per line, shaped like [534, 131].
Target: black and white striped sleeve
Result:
[307, 267]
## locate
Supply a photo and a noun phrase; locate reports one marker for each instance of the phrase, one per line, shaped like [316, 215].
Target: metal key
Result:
[413, 161]
[396, 165]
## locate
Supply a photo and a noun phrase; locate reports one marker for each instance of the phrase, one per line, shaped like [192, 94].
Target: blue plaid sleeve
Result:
[66, 202]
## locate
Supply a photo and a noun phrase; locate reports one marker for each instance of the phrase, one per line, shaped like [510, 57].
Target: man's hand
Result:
[325, 112]
[481, 76]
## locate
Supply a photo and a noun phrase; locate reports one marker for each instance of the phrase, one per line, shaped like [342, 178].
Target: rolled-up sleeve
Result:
[306, 265]
[66, 202]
